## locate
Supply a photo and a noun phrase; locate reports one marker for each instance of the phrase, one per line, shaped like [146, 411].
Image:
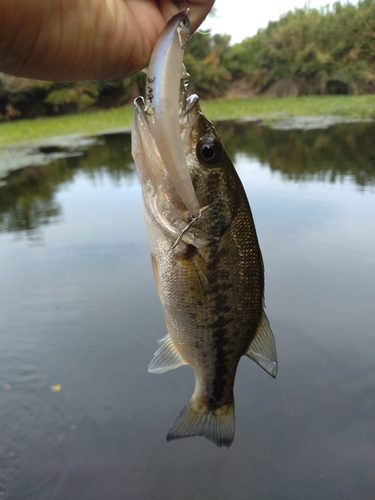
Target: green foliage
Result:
[309, 51]
[241, 58]
[199, 45]
[24, 98]
[81, 96]
[18, 94]
[204, 60]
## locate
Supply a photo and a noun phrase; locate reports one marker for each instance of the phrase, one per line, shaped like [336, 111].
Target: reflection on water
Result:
[343, 152]
[27, 200]
[78, 308]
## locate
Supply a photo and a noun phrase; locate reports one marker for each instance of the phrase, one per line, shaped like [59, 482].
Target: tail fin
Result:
[217, 424]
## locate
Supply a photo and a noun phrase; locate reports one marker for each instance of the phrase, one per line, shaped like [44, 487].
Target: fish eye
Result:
[209, 151]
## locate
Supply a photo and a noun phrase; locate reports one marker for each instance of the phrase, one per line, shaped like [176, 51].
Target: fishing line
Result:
[179, 2]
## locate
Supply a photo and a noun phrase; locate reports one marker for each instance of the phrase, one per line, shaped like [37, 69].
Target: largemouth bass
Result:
[209, 277]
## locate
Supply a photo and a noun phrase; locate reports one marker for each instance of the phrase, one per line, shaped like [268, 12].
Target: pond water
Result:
[80, 416]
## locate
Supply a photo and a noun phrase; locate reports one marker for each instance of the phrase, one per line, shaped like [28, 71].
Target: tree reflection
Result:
[332, 154]
[28, 197]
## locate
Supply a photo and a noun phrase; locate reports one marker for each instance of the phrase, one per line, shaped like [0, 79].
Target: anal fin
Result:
[166, 357]
[262, 348]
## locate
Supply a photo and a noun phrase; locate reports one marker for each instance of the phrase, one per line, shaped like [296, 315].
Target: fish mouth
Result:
[160, 196]
[151, 168]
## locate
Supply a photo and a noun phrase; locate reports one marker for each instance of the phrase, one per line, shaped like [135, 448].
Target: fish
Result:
[164, 74]
[209, 274]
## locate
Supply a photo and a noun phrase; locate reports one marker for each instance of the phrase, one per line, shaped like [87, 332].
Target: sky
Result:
[243, 18]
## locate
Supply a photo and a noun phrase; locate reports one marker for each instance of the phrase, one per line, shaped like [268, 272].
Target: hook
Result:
[185, 77]
[186, 229]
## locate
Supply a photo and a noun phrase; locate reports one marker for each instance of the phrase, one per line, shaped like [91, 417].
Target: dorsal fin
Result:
[166, 357]
[262, 348]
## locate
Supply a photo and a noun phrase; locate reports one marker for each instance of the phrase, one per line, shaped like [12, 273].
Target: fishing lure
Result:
[164, 75]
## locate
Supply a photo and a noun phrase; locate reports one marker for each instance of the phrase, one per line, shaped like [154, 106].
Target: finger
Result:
[70, 40]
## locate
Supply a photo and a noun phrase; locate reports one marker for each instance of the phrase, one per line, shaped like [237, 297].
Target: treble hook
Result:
[179, 2]
[185, 78]
[186, 229]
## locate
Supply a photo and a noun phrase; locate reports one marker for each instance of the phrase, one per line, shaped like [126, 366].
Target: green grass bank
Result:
[90, 123]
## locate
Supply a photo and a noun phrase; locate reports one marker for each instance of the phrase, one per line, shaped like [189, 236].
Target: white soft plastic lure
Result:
[164, 75]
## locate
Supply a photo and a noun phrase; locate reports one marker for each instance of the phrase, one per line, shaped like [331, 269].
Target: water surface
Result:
[80, 416]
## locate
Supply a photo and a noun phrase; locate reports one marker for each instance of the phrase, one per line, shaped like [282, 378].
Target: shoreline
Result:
[269, 110]
[30, 153]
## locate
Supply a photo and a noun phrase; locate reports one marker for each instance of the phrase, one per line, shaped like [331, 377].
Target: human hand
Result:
[71, 40]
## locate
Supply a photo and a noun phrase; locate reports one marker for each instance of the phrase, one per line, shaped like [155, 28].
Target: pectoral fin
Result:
[166, 357]
[262, 348]
[196, 273]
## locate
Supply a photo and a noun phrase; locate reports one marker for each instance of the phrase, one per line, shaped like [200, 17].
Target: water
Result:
[80, 416]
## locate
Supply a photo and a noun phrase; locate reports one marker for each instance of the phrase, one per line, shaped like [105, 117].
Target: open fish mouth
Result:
[145, 147]
[159, 193]
[155, 179]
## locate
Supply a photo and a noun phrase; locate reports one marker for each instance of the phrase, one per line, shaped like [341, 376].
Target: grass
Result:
[353, 106]
[90, 123]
